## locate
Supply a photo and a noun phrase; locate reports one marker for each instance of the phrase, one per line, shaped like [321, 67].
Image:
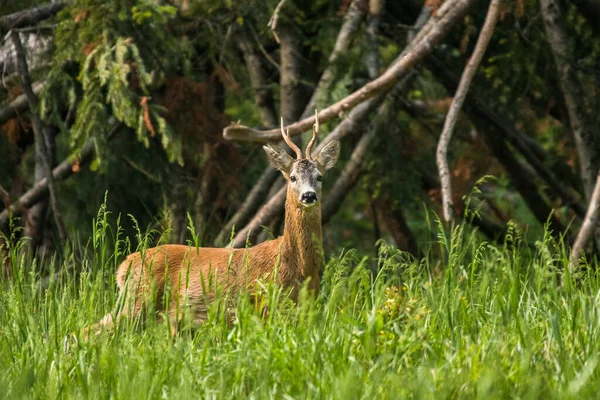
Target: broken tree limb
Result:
[62, 171]
[19, 104]
[440, 27]
[588, 228]
[41, 132]
[30, 16]
[457, 102]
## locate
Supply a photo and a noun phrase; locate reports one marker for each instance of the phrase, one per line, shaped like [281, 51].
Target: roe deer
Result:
[193, 273]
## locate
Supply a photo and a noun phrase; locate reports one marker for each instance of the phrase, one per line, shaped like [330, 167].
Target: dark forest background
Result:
[159, 105]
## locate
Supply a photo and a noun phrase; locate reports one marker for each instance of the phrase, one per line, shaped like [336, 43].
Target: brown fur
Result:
[192, 275]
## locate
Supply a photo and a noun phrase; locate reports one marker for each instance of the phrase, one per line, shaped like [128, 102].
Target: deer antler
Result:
[289, 141]
[314, 136]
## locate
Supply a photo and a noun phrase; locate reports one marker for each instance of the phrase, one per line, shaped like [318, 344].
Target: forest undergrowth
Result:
[470, 319]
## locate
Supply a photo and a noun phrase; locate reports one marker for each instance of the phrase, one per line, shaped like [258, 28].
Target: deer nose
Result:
[309, 198]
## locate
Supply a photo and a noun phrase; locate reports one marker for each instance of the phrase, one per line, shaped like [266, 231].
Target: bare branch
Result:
[495, 138]
[457, 102]
[30, 17]
[274, 18]
[440, 26]
[588, 228]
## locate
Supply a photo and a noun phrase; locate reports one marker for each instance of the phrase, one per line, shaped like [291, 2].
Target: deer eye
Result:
[319, 178]
[293, 178]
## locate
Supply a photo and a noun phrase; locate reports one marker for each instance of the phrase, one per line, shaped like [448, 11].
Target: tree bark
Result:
[436, 30]
[259, 81]
[372, 59]
[587, 136]
[457, 102]
[42, 134]
[588, 228]
[30, 17]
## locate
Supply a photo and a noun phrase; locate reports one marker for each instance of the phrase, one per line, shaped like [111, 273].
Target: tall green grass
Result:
[488, 321]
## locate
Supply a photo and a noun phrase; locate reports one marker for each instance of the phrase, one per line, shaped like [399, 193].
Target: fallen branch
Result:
[30, 16]
[440, 27]
[457, 102]
[588, 228]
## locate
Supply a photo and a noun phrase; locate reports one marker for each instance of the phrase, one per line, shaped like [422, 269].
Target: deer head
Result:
[304, 174]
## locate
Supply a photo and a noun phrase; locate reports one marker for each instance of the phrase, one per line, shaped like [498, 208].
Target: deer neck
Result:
[302, 236]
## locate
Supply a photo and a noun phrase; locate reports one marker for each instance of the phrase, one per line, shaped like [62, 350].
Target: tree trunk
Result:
[258, 79]
[585, 131]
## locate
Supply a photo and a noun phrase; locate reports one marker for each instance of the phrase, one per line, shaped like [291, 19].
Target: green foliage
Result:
[122, 53]
[492, 324]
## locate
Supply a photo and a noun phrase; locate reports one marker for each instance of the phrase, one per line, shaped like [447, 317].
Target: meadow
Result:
[470, 319]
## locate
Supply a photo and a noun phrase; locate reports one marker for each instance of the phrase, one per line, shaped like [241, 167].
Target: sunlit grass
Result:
[490, 321]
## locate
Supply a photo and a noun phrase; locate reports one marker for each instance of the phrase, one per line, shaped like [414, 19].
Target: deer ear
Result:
[329, 155]
[278, 157]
